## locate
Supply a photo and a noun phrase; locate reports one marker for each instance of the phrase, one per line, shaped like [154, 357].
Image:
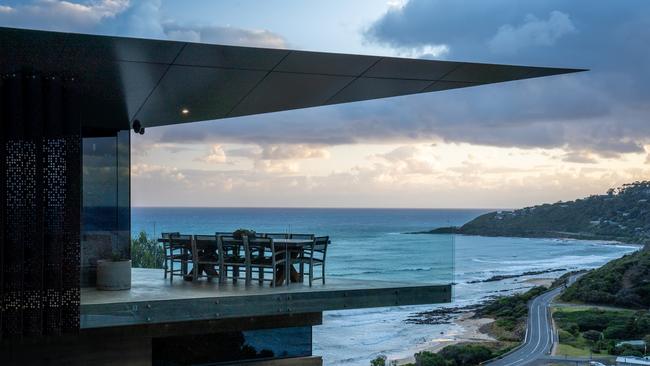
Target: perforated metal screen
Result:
[41, 191]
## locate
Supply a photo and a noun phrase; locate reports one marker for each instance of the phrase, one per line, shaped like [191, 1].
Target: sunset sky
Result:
[502, 145]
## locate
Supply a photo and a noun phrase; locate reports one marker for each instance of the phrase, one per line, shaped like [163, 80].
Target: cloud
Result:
[274, 166]
[428, 51]
[280, 152]
[533, 32]
[284, 152]
[406, 160]
[279, 158]
[158, 172]
[580, 157]
[142, 18]
[61, 15]
[216, 155]
[224, 35]
[603, 111]
[467, 179]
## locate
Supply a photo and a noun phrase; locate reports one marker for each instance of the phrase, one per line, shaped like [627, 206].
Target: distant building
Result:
[632, 361]
[636, 343]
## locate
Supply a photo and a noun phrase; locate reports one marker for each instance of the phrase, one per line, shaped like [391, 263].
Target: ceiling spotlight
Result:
[185, 111]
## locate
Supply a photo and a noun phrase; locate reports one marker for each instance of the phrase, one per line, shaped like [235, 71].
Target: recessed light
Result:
[185, 111]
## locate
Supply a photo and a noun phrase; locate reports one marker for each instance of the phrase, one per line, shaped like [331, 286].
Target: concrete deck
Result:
[152, 299]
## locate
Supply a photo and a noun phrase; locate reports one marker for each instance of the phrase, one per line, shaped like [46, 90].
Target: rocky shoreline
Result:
[529, 273]
[447, 315]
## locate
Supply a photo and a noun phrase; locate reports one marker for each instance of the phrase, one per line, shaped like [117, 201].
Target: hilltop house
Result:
[69, 104]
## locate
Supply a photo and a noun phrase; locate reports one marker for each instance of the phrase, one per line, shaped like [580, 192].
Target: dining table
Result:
[292, 246]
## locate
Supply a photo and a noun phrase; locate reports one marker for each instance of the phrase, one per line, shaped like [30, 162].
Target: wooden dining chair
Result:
[264, 257]
[180, 248]
[205, 256]
[167, 254]
[298, 259]
[232, 256]
[314, 256]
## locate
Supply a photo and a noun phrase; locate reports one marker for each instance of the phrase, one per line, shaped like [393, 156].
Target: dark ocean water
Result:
[370, 244]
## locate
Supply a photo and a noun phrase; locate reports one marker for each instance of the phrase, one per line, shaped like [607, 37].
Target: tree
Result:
[592, 335]
[466, 355]
[379, 361]
[426, 358]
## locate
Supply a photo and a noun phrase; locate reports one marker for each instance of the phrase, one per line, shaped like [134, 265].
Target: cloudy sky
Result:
[504, 145]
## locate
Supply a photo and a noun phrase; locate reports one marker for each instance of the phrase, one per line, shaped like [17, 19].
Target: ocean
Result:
[373, 244]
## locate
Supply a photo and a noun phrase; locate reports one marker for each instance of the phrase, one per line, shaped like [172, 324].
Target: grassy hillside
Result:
[622, 282]
[621, 214]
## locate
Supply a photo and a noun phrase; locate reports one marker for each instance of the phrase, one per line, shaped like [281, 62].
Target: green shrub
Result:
[572, 328]
[616, 331]
[146, 253]
[620, 325]
[592, 335]
[466, 355]
[379, 361]
[565, 337]
[426, 358]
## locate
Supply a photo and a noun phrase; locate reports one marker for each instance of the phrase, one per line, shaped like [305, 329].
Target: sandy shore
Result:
[468, 331]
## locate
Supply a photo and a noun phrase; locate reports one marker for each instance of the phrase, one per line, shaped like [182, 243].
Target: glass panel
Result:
[228, 347]
[105, 231]
[123, 225]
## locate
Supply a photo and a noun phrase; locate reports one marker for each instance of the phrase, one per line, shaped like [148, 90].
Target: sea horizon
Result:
[336, 207]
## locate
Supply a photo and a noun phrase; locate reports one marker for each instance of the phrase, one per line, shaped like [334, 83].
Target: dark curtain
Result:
[41, 205]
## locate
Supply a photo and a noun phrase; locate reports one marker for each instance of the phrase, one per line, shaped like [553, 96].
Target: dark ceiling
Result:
[124, 79]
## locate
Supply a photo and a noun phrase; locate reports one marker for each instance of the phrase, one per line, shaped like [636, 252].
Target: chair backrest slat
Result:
[206, 242]
[166, 237]
[261, 243]
[321, 242]
[276, 235]
[302, 236]
[181, 240]
[228, 245]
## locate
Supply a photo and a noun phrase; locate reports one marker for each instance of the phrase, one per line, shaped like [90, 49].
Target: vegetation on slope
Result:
[592, 330]
[621, 282]
[509, 314]
[456, 355]
[621, 214]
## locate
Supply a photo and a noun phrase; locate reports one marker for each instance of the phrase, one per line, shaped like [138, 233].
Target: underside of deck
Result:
[152, 299]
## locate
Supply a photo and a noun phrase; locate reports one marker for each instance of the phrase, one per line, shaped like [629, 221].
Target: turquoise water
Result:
[367, 244]
[371, 244]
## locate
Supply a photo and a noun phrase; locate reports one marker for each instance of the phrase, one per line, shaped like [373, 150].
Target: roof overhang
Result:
[154, 81]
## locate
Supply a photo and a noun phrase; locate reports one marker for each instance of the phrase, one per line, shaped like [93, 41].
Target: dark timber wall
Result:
[40, 206]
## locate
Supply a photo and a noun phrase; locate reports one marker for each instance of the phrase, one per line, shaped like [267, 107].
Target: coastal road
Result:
[539, 331]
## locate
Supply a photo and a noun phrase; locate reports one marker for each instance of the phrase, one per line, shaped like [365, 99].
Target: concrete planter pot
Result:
[113, 275]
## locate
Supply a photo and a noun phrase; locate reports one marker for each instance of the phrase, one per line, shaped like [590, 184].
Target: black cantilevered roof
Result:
[153, 81]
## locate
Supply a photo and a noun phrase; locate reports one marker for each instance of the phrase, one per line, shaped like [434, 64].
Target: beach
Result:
[466, 329]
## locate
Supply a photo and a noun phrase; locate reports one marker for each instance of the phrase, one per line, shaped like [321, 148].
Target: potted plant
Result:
[114, 274]
[240, 233]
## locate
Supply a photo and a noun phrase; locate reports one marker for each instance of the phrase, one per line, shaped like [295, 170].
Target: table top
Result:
[293, 241]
